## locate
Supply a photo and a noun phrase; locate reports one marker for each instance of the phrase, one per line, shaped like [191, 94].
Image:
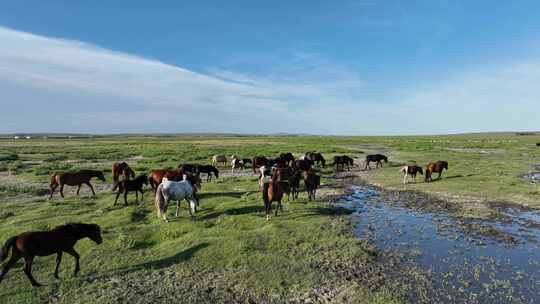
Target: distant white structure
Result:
[16, 137]
[28, 137]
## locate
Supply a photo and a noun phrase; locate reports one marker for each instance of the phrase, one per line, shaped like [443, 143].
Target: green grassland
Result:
[229, 253]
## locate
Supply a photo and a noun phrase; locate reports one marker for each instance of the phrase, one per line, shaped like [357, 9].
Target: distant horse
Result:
[538, 144]
[377, 158]
[316, 157]
[273, 192]
[172, 190]
[42, 243]
[412, 170]
[74, 179]
[132, 185]
[121, 169]
[189, 168]
[342, 161]
[303, 164]
[209, 170]
[258, 161]
[156, 176]
[437, 167]
[236, 164]
[288, 158]
[312, 181]
[219, 159]
[277, 162]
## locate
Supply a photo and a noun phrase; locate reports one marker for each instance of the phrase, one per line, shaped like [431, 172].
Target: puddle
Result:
[470, 261]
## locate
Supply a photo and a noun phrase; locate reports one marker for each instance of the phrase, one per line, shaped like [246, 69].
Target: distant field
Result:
[230, 253]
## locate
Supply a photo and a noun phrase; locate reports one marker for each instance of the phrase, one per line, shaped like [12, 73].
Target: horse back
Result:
[44, 243]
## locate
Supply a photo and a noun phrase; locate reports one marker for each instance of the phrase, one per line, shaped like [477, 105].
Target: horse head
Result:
[100, 176]
[419, 169]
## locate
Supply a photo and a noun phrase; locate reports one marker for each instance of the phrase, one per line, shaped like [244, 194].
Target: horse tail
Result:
[160, 199]
[266, 198]
[5, 249]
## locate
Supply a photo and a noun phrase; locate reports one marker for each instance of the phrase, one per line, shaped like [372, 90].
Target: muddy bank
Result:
[427, 254]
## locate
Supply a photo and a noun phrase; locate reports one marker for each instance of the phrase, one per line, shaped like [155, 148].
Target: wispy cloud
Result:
[56, 85]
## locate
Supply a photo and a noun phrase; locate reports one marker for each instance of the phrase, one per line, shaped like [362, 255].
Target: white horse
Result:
[171, 190]
[219, 158]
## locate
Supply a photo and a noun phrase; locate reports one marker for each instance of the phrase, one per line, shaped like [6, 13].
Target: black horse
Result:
[124, 186]
[376, 158]
[303, 164]
[189, 168]
[316, 157]
[287, 158]
[209, 170]
[342, 161]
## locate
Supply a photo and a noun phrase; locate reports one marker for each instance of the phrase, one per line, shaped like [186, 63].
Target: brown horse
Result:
[74, 179]
[273, 192]
[288, 158]
[125, 186]
[437, 167]
[121, 169]
[312, 181]
[42, 243]
[156, 176]
[258, 161]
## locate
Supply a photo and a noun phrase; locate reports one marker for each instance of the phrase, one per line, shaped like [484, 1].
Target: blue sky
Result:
[340, 67]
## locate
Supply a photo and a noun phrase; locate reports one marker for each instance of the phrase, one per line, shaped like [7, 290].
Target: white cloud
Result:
[55, 85]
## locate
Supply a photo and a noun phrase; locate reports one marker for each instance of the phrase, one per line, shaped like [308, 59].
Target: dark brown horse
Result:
[156, 176]
[342, 161]
[42, 243]
[121, 169]
[273, 192]
[316, 157]
[74, 179]
[209, 170]
[288, 158]
[437, 167]
[303, 164]
[312, 181]
[257, 162]
[136, 185]
[376, 158]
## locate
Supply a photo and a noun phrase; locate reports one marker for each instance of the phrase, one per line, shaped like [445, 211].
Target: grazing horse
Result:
[303, 164]
[288, 158]
[74, 179]
[172, 190]
[132, 185]
[312, 181]
[410, 170]
[377, 158]
[121, 169]
[189, 168]
[342, 161]
[219, 159]
[277, 162]
[258, 161]
[42, 243]
[236, 164]
[273, 192]
[437, 167]
[156, 176]
[538, 144]
[316, 157]
[209, 170]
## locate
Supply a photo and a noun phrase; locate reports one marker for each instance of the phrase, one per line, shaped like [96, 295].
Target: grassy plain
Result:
[229, 252]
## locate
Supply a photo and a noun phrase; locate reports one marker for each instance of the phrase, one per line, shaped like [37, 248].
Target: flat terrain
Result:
[229, 253]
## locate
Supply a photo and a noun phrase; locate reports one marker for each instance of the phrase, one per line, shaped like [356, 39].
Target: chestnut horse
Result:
[437, 167]
[74, 179]
[312, 181]
[410, 170]
[42, 243]
[273, 192]
[121, 169]
[156, 176]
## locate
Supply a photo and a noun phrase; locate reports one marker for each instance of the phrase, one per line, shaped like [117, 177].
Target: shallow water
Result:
[471, 261]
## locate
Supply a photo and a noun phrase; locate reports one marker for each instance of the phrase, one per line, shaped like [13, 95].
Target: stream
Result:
[465, 260]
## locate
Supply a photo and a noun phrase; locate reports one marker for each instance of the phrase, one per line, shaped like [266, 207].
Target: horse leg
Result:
[136, 196]
[116, 199]
[177, 207]
[125, 196]
[58, 260]
[278, 205]
[14, 258]
[28, 270]
[53, 187]
[78, 189]
[74, 254]
[91, 188]
[440, 173]
[62, 190]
